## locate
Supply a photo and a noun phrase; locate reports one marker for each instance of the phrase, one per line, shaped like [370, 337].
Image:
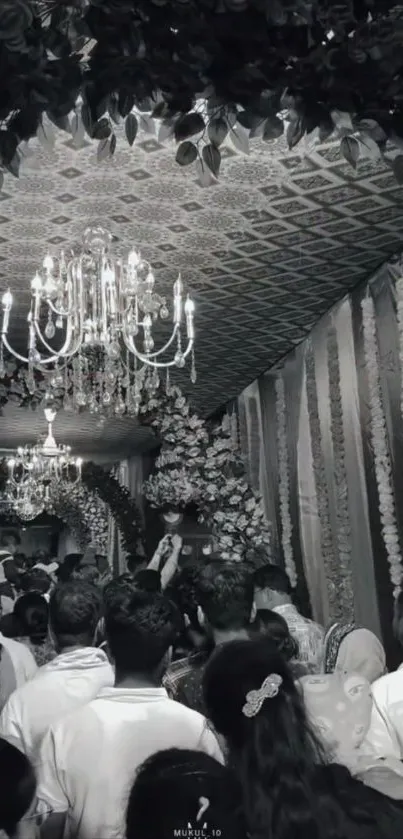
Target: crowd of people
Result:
[191, 700]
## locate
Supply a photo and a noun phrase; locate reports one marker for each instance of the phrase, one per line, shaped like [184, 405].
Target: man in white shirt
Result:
[17, 666]
[73, 678]
[273, 591]
[88, 760]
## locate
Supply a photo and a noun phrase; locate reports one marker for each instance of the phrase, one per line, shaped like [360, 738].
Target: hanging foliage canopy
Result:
[202, 71]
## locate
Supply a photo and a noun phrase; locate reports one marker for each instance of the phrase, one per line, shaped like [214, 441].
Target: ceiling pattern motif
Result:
[265, 251]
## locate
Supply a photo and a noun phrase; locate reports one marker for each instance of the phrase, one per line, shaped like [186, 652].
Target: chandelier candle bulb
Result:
[189, 312]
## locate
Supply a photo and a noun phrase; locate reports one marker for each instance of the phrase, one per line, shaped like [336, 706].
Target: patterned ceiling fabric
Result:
[266, 251]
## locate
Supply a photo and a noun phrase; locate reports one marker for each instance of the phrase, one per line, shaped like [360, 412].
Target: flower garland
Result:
[399, 295]
[284, 482]
[200, 465]
[345, 579]
[85, 514]
[383, 468]
[336, 608]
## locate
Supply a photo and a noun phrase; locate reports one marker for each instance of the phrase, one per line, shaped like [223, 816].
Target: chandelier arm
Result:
[132, 346]
[164, 364]
[63, 351]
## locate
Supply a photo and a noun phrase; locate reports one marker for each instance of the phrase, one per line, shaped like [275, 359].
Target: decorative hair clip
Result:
[204, 804]
[255, 698]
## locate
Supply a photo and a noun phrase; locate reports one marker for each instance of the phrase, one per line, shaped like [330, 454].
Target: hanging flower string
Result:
[336, 607]
[399, 295]
[284, 482]
[345, 576]
[383, 468]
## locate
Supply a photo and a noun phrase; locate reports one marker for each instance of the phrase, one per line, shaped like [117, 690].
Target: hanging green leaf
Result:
[273, 128]
[1, 180]
[103, 150]
[46, 136]
[166, 130]
[126, 103]
[397, 166]
[87, 119]
[204, 176]
[212, 158]
[295, 132]
[61, 122]
[147, 124]
[187, 126]
[131, 128]
[113, 109]
[77, 130]
[342, 122]
[240, 139]
[186, 153]
[217, 131]
[248, 119]
[102, 129]
[13, 166]
[368, 147]
[112, 145]
[350, 150]
[326, 130]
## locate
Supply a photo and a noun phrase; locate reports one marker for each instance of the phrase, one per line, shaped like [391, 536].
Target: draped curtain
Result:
[312, 457]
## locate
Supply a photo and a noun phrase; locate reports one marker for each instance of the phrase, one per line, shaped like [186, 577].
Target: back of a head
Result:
[118, 590]
[140, 628]
[226, 595]
[74, 612]
[179, 792]
[66, 568]
[36, 580]
[18, 787]
[32, 613]
[274, 578]
[147, 580]
[253, 703]
[87, 573]
[273, 627]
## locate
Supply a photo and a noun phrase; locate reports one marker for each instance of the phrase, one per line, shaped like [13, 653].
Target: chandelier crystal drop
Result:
[105, 310]
[33, 472]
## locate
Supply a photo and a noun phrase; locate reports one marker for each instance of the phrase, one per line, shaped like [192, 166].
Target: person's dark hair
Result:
[398, 618]
[289, 787]
[135, 563]
[32, 612]
[74, 612]
[18, 787]
[36, 580]
[140, 629]
[274, 578]
[12, 573]
[118, 590]
[66, 568]
[225, 593]
[8, 536]
[148, 580]
[168, 793]
[273, 627]
[10, 627]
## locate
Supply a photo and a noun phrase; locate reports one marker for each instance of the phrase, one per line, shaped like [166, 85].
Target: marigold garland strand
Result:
[382, 461]
[284, 482]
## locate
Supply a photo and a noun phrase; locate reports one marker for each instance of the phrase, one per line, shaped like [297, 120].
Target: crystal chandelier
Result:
[33, 471]
[104, 309]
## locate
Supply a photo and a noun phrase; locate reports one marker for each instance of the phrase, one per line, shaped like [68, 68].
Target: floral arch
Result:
[202, 465]
[85, 509]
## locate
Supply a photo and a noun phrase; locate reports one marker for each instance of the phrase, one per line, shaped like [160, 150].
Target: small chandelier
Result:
[105, 310]
[34, 470]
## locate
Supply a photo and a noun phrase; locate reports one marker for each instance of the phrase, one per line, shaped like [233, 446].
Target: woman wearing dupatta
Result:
[352, 649]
